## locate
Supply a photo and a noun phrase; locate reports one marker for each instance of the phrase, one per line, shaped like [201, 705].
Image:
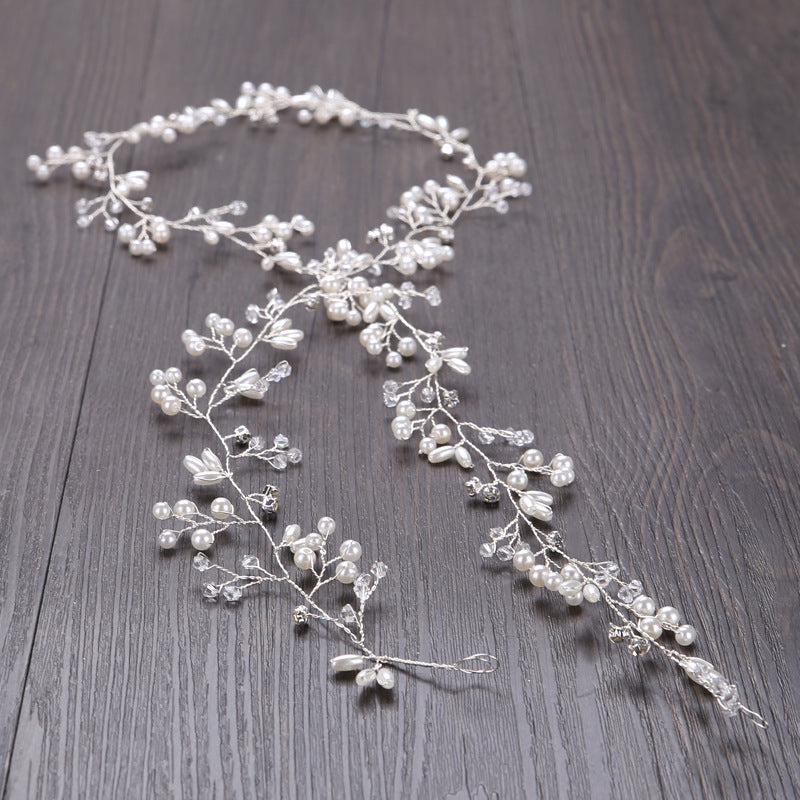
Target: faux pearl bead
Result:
[353, 317]
[394, 360]
[374, 348]
[158, 393]
[162, 510]
[195, 347]
[591, 593]
[314, 541]
[538, 574]
[202, 539]
[348, 663]
[385, 678]
[195, 388]
[562, 478]
[407, 347]
[184, 508]
[346, 572]
[304, 558]
[685, 635]
[221, 508]
[225, 326]
[426, 445]
[524, 560]
[517, 479]
[326, 526]
[644, 606]
[669, 617]
[574, 599]
[81, 170]
[161, 233]
[402, 428]
[242, 337]
[366, 677]
[405, 408]
[167, 539]
[157, 377]
[350, 550]
[532, 459]
[440, 433]
[561, 462]
[170, 405]
[553, 582]
[291, 533]
[569, 572]
[173, 375]
[211, 320]
[650, 627]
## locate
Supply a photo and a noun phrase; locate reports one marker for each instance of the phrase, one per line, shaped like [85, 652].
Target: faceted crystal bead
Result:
[487, 549]
[242, 434]
[496, 533]
[362, 585]
[485, 436]
[450, 398]
[505, 553]
[257, 443]
[389, 400]
[200, 562]
[433, 296]
[473, 486]
[391, 387]
[379, 569]
[348, 615]
[232, 593]
[295, 455]
[279, 461]
[210, 591]
[427, 394]
[251, 314]
[607, 571]
[250, 562]
[300, 615]
[555, 539]
[490, 494]
[281, 442]
[638, 646]
[628, 593]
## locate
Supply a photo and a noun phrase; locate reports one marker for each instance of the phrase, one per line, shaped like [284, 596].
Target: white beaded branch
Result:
[423, 405]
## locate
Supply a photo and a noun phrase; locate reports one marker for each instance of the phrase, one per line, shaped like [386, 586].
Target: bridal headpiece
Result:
[498, 465]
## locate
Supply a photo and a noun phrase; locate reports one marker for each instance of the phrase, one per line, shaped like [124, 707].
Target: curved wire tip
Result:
[483, 664]
[754, 717]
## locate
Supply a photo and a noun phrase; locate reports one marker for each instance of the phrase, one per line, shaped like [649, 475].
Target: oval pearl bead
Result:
[440, 433]
[463, 457]
[574, 599]
[167, 539]
[533, 508]
[517, 479]
[326, 525]
[532, 459]
[202, 539]
[570, 586]
[591, 593]
[385, 678]
[366, 677]
[347, 663]
[644, 606]
[524, 560]
[346, 572]
[405, 408]
[221, 508]
[304, 558]
[162, 510]
[350, 550]
[538, 574]
[441, 454]
[685, 635]
[650, 627]
[291, 533]
[669, 617]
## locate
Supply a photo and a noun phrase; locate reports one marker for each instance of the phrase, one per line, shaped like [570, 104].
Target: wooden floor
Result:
[640, 311]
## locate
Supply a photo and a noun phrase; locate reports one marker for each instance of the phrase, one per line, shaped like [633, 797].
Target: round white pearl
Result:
[538, 575]
[173, 375]
[212, 319]
[524, 560]
[314, 541]
[81, 170]
[346, 572]
[669, 617]
[350, 550]
[353, 317]
[326, 525]
[167, 539]
[161, 232]
[168, 135]
[225, 326]
[426, 445]
[157, 376]
[562, 478]
[385, 678]
[685, 635]
[158, 393]
[569, 572]
[135, 248]
[405, 408]
[185, 508]
[561, 462]
[202, 539]
[195, 347]
[517, 479]
[402, 428]
[574, 599]
[407, 347]
[33, 162]
[211, 237]
[171, 405]
[591, 593]
[394, 360]
[304, 558]
[644, 606]
[337, 310]
[532, 459]
[125, 233]
[553, 582]
[221, 508]
[374, 348]
[440, 433]
[650, 627]
[195, 388]
[242, 337]
[162, 510]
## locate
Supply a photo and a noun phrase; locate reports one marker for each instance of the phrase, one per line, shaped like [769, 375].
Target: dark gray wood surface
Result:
[640, 312]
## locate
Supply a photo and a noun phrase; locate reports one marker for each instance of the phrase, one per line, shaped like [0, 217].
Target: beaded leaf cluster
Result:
[347, 283]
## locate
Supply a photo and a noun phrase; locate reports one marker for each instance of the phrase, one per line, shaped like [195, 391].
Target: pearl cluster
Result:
[340, 283]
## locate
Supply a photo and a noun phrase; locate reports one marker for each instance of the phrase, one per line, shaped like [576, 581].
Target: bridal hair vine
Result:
[345, 281]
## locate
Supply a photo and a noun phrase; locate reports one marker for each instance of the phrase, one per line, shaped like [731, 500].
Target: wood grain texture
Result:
[640, 312]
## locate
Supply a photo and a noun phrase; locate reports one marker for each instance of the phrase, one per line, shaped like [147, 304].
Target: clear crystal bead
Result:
[238, 207]
[638, 645]
[405, 302]
[362, 585]
[450, 398]
[607, 571]
[257, 443]
[629, 592]
[490, 494]
[251, 314]
[279, 461]
[487, 549]
[473, 486]
[496, 533]
[555, 539]
[283, 369]
[232, 593]
[250, 562]
[379, 570]
[389, 400]
[210, 591]
[281, 442]
[81, 206]
[295, 455]
[433, 296]
[200, 562]
[390, 387]
[348, 615]
[427, 394]
[485, 436]
[505, 553]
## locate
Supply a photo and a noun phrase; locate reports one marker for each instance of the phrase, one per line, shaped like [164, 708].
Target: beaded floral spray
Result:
[346, 283]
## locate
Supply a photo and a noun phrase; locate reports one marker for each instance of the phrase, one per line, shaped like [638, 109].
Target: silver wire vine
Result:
[345, 282]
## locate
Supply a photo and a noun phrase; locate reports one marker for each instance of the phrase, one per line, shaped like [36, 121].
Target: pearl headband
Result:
[419, 236]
